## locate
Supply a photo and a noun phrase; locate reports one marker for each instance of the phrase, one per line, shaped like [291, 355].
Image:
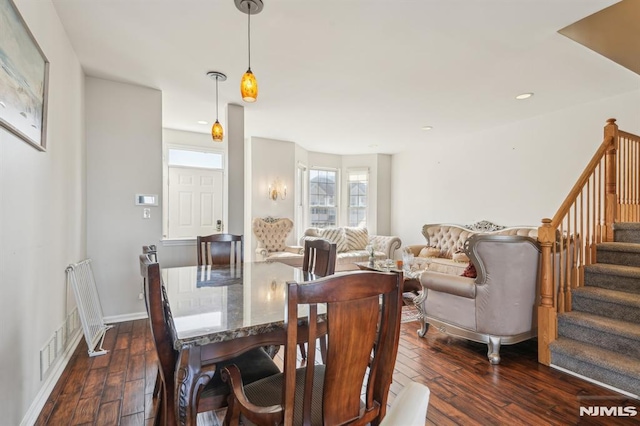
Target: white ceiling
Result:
[349, 76]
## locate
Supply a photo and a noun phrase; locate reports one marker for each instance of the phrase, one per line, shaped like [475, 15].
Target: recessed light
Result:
[524, 96]
[202, 122]
[427, 127]
[373, 145]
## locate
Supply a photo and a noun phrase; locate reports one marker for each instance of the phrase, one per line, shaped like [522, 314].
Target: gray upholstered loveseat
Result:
[498, 306]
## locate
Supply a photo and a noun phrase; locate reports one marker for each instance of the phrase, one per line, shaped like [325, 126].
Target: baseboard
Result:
[588, 379]
[50, 382]
[125, 317]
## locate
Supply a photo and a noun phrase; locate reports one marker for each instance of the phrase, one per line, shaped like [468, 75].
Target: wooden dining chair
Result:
[256, 363]
[220, 249]
[363, 325]
[319, 259]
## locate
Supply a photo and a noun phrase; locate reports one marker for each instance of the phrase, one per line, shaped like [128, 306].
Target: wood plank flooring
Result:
[116, 389]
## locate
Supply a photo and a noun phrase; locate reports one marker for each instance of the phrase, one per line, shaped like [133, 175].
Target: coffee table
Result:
[410, 284]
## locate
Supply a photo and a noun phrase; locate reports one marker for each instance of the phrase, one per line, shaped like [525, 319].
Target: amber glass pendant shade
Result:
[217, 132]
[249, 87]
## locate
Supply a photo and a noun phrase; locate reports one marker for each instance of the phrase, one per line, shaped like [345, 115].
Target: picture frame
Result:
[24, 79]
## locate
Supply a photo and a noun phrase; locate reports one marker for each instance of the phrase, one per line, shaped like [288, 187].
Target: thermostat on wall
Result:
[146, 200]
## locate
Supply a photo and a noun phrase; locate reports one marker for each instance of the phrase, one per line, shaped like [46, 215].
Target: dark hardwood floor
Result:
[116, 388]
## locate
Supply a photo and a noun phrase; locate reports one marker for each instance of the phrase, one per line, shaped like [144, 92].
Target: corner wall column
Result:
[235, 169]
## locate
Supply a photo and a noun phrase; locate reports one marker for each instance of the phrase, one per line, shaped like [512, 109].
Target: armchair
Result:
[498, 306]
[272, 234]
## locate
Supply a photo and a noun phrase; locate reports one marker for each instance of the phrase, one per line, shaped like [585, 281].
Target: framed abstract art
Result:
[24, 73]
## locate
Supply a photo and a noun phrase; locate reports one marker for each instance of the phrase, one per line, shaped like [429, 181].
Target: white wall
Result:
[42, 220]
[270, 159]
[511, 175]
[124, 158]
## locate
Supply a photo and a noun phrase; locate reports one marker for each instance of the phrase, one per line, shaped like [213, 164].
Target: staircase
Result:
[600, 338]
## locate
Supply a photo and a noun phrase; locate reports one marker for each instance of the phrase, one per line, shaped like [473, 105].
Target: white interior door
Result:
[195, 201]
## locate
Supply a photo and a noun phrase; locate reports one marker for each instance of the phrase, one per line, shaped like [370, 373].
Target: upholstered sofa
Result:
[352, 244]
[496, 303]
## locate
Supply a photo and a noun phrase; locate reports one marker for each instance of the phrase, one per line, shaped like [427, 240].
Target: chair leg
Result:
[494, 350]
[232, 416]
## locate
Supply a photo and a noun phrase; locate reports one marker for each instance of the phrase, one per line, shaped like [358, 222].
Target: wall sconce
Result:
[277, 190]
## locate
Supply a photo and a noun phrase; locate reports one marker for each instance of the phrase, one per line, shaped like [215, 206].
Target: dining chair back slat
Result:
[220, 249]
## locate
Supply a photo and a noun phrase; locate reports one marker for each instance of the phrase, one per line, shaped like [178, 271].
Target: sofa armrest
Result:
[261, 254]
[451, 284]
[386, 244]
[294, 249]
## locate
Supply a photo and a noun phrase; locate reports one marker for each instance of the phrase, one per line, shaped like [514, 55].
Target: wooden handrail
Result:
[584, 177]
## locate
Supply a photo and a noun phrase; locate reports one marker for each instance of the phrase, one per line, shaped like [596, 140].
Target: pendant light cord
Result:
[249, 31]
[217, 77]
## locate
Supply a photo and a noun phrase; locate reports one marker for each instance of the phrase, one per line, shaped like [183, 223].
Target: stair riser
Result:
[620, 381]
[597, 337]
[605, 309]
[611, 282]
[626, 236]
[618, 257]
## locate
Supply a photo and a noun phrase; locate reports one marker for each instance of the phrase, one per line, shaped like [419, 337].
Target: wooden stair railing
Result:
[607, 191]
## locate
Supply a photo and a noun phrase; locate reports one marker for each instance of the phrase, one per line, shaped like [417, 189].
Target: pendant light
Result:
[249, 84]
[216, 131]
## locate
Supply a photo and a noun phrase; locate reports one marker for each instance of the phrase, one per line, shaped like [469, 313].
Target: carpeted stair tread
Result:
[620, 247]
[618, 305]
[628, 232]
[619, 253]
[611, 296]
[611, 368]
[617, 327]
[617, 270]
[613, 277]
[626, 226]
[620, 336]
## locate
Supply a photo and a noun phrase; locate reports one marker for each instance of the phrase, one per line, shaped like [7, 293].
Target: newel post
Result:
[547, 318]
[610, 201]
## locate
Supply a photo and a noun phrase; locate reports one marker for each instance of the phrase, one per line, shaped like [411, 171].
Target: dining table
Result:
[217, 312]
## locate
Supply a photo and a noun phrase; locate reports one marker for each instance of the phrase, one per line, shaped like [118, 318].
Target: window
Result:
[358, 183]
[322, 198]
[188, 158]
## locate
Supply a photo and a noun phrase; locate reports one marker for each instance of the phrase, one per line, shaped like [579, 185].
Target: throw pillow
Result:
[460, 257]
[469, 271]
[335, 235]
[429, 252]
[357, 238]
